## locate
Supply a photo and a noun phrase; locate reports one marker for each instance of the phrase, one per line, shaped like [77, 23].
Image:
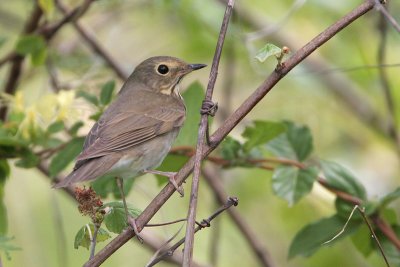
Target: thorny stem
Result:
[189, 240]
[228, 125]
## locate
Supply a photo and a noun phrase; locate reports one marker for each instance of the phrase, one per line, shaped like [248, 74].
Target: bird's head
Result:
[162, 74]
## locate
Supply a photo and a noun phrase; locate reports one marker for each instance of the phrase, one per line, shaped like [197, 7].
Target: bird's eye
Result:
[163, 69]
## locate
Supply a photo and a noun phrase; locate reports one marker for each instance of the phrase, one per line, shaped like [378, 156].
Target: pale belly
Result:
[147, 156]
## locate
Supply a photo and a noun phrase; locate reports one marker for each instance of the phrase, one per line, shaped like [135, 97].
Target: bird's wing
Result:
[128, 129]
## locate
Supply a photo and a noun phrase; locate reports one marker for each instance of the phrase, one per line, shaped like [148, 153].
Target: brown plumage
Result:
[137, 130]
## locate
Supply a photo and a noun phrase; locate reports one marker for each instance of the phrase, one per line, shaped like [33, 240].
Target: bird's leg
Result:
[171, 178]
[130, 220]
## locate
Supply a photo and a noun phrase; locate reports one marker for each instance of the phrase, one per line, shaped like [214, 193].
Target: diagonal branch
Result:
[227, 127]
[190, 226]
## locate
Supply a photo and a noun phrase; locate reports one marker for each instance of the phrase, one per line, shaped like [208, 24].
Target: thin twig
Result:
[384, 12]
[189, 240]
[93, 240]
[232, 201]
[362, 212]
[227, 127]
[166, 223]
[252, 239]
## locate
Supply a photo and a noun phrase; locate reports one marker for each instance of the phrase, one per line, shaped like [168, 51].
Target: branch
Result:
[255, 244]
[16, 61]
[342, 87]
[48, 33]
[227, 127]
[94, 45]
[386, 14]
[231, 201]
[190, 226]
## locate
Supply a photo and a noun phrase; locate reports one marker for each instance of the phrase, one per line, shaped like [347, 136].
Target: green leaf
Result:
[4, 173]
[39, 57]
[392, 253]
[295, 143]
[261, 133]
[106, 185]
[230, 148]
[30, 44]
[106, 92]
[193, 97]
[115, 218]
[82, 237]
[88, 97]
[33, 45]
[6, 247]
[172, 163]
[292, 183]
[267, 51]
[66, 155]
[56, 127]
[362, 240]
[311, 237]
[4, 170]
[339, 178]
[28, 160]
[47, 6]
[75, 128]
[387, 199]
[3, 40]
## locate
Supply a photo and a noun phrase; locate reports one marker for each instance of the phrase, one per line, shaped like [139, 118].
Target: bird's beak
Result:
[197, 66]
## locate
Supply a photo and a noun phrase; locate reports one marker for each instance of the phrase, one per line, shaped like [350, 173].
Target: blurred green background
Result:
[44, 221]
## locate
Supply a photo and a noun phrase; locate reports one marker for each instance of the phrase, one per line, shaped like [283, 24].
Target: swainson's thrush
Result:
[136, 131]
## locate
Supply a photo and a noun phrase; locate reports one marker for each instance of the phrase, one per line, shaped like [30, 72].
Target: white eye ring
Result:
[162, 69]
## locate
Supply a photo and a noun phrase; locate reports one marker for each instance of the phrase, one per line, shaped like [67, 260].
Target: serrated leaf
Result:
[292, 183]
[107, 92]
[261, 133]
[230, 148]
[55, 127]
[295, 143]
[66, 155]
[88, 97]
[82, 237]
[339, 178]
[193, 97]
[115, 219]
[267, 51]
[311, 237]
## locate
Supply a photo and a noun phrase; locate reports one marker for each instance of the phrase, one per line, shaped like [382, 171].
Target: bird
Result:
[135, 133]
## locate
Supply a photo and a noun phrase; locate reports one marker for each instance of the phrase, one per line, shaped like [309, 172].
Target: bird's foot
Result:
[132, 223]
[171, 178]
